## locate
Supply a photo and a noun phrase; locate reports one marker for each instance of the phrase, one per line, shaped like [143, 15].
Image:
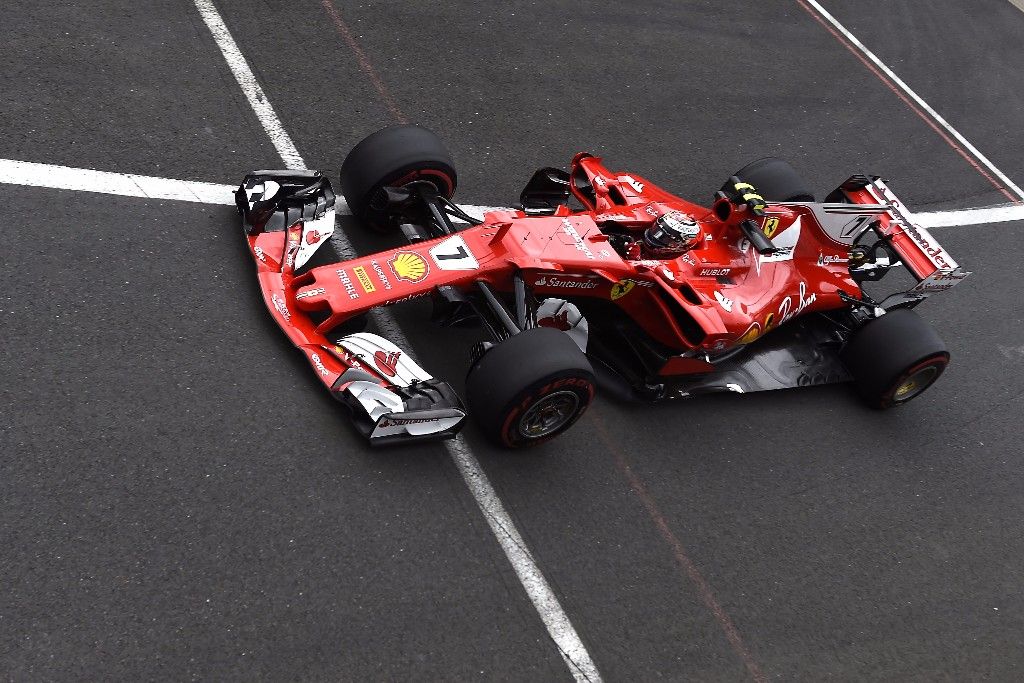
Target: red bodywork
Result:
[718, 295]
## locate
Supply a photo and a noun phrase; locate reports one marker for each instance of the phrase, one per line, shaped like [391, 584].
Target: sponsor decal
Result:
[364, 279]
[281, 306]
[723, 301]
[921, 236]
[312, 237]
[687, 259]
[831, 259]
[599, 181]
[453, 254]
[381, 274]
[713, 272]
[571, 231]
[406, 298]
[310, 292]
[319, 365]
[259, 254]
[409, 266]
[786, 310]
[770, 226]
[294, 237]
[752, 333]
[651, 211]
[940, 282]
[387, 363]
[346, 282]
[399, 421]
[351, 359]
[570, 282]
[634, 183]
[622, 288]
[648, 263]
[668, 274]
[708, 237]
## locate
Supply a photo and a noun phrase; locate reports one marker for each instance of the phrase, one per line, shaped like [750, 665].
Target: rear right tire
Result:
[775, 180]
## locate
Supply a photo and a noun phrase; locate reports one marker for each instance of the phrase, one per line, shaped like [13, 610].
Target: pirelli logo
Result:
[364, 279]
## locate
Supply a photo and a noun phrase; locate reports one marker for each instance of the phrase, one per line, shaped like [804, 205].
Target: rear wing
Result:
[875, 207]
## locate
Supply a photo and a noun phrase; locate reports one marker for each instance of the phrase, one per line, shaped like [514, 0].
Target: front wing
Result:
[287, 216]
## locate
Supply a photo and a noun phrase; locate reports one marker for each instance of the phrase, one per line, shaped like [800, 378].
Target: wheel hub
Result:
[549, 414]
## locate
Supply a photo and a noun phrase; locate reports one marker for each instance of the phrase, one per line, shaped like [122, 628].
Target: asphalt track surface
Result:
[179, 499]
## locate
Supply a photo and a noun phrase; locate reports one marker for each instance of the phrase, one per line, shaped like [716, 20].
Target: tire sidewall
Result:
[518, 407]
[888, 397]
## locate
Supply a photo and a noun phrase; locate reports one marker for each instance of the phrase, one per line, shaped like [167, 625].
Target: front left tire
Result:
[530, 388]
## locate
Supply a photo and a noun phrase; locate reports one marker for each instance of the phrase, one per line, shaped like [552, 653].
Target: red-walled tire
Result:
[394, 156]
[895, 358]
[530, 388]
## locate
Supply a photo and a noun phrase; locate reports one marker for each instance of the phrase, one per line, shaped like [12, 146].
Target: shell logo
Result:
[409, 266]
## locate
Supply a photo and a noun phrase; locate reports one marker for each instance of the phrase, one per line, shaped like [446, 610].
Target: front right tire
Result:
[393, 157]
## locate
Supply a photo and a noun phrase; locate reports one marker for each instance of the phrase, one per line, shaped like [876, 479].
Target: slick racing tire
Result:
[530, 388]
[394, 156]
[894, 358]
[775, 180]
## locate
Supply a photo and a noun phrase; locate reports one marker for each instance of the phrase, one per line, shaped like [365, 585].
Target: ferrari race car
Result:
[601, 279]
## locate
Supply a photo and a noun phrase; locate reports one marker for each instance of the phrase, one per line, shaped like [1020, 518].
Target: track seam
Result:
[504, 530]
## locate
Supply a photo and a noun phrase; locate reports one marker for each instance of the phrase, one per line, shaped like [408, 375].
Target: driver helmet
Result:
[672, 233]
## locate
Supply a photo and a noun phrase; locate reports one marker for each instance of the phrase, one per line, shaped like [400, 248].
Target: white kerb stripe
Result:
[247, 81]
[914, 96]
[990, 214]
[28, 173]
[543, 598]
[105, 182]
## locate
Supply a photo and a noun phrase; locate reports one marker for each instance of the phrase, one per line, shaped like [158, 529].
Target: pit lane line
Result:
[31, 174]
[928, 115]
[556, 621]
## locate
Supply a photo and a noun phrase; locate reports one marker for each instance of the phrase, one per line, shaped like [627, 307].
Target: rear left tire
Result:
[894, 358]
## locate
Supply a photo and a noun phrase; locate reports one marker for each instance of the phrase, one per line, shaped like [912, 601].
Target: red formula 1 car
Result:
[601, 278]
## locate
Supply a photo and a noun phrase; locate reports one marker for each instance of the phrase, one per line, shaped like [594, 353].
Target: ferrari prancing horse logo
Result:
[771, 225]
[622, 288]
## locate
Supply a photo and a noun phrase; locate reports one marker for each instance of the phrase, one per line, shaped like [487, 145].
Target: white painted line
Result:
[991, 214]
[15, 172]
[125, 184]
[247, 81]
[556, 621]
[1019, 4]
[914, 96]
